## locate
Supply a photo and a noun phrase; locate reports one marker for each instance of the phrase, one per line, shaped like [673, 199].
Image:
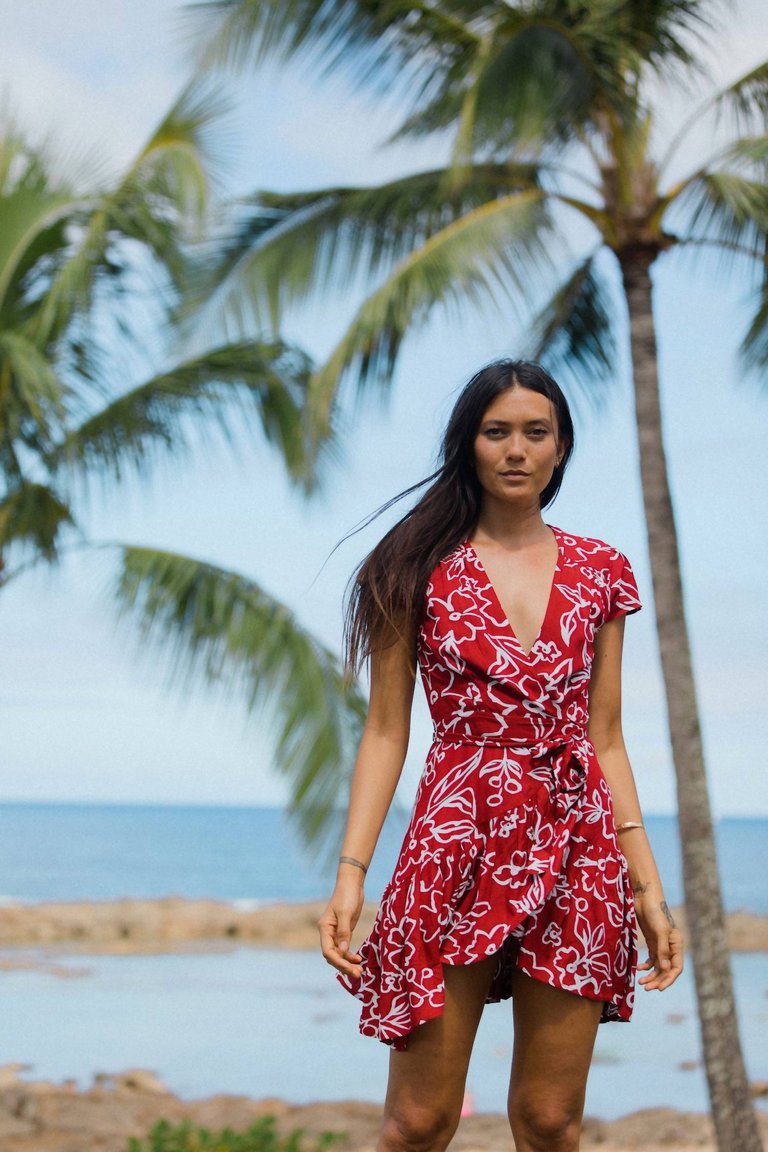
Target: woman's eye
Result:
[495, 433]
[538, 433]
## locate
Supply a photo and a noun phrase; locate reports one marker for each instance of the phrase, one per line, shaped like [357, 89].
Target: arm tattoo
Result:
[668, 914]
[640, 889]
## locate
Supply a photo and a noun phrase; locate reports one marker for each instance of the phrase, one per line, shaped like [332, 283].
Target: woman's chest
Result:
[464, 621]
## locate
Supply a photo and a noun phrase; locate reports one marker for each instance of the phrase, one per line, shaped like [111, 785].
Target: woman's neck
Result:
[510, 527]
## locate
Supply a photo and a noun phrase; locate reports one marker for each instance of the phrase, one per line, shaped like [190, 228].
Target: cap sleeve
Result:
[623, 598]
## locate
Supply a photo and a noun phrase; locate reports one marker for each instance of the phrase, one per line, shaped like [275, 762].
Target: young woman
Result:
[525, 865]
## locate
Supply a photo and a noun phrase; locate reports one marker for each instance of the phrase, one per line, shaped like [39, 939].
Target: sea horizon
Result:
[74, 850]
[68, 802]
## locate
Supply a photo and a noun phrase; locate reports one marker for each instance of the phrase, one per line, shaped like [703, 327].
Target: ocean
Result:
[104, 852]
[276, 1023]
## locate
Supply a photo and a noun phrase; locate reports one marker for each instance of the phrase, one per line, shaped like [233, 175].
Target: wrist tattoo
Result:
[668, 914]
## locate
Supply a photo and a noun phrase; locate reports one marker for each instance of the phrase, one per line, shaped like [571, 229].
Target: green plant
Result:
[259, 1137]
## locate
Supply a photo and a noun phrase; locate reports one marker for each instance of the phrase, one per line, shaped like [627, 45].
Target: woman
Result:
[525, 865]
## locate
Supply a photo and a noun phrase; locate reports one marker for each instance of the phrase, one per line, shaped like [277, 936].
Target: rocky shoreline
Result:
[174, 923]
[39, 1116]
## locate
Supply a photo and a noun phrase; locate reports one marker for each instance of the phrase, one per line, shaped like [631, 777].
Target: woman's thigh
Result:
[554, 1038]
[427, 1079]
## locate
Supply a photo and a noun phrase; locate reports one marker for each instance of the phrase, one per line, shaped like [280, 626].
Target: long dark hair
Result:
[386, 593]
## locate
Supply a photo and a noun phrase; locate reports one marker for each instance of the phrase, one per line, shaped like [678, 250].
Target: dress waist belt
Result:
[480, 729]
[563, 749]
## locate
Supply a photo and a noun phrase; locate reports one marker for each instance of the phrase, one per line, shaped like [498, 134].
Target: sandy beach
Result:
[40, 1116]
[37, 1116]
[178, 924]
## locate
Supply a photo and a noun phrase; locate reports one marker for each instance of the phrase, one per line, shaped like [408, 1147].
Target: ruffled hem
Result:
[506, 891]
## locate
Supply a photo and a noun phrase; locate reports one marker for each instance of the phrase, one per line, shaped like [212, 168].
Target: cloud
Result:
[94, 83]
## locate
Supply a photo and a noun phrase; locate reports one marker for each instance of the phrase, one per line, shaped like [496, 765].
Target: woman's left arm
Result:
[664, 939]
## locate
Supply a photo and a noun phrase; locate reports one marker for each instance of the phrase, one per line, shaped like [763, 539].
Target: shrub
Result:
[260, 1137]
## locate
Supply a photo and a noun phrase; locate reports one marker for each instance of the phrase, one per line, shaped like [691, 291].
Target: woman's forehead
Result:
[518, 403]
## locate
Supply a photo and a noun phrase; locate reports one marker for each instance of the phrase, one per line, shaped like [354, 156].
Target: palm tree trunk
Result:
[733, 1112]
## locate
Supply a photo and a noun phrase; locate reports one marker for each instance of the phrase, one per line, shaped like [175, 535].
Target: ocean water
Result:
[103, 852]
[275, 1023]
[250, 1020]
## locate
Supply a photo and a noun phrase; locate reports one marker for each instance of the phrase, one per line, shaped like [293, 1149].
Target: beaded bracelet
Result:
[629, 824]
[356, 863]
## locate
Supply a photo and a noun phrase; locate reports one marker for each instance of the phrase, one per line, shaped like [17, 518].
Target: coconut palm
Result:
[549, 110]
[73, 263]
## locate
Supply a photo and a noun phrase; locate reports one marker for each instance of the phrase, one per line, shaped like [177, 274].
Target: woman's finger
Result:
[662, 952]
[343, 931]
[665, 957]
[327, 938]
[676, 951]
[349, 966]
[331, 945]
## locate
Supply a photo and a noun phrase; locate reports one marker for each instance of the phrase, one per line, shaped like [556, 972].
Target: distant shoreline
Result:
[179, 924]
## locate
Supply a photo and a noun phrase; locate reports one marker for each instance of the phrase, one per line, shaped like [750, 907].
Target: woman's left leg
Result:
[554, 1039]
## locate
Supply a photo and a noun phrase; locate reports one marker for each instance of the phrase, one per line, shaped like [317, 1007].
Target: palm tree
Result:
[73, 263]
[548, 110]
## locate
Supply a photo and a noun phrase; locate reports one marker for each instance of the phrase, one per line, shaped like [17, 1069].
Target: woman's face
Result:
[516, 448]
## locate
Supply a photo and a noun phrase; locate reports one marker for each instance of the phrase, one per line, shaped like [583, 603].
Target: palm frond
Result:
[32, 395]
[252, 388]
[33, 208]
[725, 209]
[226, 631]
[528, 83]
[158, 201]
[754, 347]
[547, 58]
[287, 246]
[372, 42]
[574, 334]
[541, 72]
[663, 32]
[488, 253]
[748, 156]
[33, 516]
[181, 161]
[746, 99]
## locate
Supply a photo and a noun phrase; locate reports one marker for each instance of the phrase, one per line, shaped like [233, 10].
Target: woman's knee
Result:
[417, 1129]
[544, 1123]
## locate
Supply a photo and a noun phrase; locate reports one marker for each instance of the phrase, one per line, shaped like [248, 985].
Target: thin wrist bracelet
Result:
[356, 863]
[629, 824]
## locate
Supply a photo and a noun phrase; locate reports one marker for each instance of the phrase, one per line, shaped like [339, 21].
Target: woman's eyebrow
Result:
[506, 423]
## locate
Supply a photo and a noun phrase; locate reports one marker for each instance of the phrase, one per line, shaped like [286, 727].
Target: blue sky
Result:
[85, 715]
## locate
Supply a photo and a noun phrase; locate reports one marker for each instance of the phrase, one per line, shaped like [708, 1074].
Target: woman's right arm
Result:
[378, 766]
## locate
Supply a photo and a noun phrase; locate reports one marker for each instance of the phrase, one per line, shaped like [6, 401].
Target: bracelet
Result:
[629, 824]
[356, 863]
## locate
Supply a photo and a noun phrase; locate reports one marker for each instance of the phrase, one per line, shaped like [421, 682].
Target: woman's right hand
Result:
[337, 924]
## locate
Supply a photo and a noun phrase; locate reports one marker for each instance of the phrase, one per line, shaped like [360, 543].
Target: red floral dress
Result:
[511, 848]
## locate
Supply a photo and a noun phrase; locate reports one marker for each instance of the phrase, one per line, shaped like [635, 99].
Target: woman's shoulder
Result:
[602, 567]
[588, 548]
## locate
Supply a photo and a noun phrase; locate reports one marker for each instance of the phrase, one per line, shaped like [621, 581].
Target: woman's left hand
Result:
[664, 940]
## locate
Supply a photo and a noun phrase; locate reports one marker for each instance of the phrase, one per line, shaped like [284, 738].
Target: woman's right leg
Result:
[426, 1082]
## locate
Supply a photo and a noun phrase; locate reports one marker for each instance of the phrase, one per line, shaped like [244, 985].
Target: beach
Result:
[39, 1116]
[171, 940]
[175, 923]
[52, 942]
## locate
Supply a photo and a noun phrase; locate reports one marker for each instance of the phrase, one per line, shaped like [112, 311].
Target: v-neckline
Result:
[490, 587]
